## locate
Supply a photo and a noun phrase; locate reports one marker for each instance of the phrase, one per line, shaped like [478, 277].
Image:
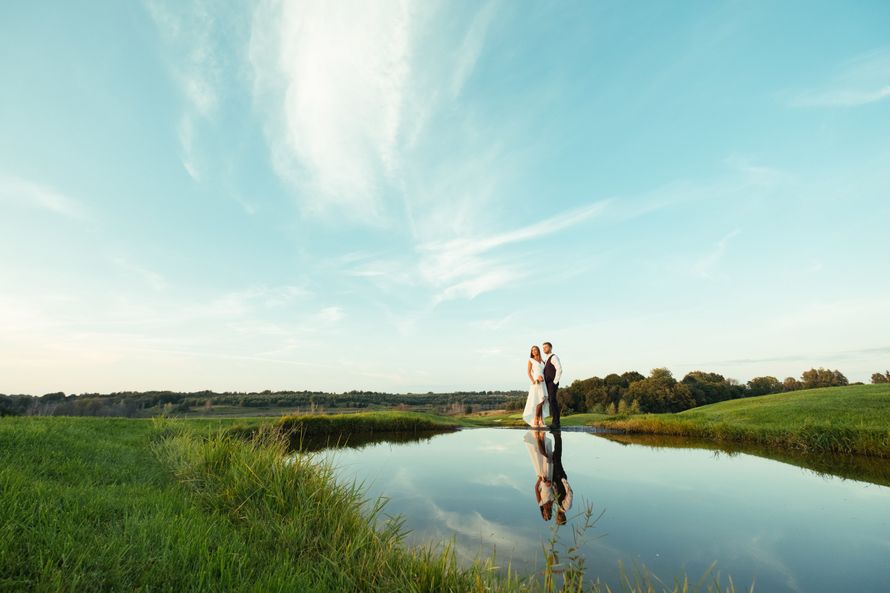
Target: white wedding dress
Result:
[542, 463]
[537, 393]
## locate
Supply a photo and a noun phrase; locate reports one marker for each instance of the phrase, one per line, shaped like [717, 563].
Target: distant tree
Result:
[622, 407]
[821, 377]
[791, 384]
[468, 409]
[516, 403]
[660, 392]
[708, 388]
[630, 376]
[764, 385]
[881, 377]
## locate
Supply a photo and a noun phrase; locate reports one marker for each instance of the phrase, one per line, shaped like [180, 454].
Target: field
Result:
[853, 419]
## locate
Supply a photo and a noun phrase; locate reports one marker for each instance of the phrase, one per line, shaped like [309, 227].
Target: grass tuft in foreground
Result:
[293, 507]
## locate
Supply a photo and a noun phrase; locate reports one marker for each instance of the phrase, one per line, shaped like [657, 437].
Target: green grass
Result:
[850, 420]
[514, 419]
[99, 504]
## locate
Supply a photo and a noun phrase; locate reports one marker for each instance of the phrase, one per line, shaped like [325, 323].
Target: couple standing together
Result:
[544, 372]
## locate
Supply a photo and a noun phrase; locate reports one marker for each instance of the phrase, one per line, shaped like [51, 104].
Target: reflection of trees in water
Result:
[848, 467]
[300, 442]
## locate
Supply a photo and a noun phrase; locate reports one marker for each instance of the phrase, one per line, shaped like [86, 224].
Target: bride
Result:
[536, 405]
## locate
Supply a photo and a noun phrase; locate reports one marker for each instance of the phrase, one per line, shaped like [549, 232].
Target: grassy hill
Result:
[851, 419]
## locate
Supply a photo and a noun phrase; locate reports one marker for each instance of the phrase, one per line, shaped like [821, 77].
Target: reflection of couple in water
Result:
[552, 486]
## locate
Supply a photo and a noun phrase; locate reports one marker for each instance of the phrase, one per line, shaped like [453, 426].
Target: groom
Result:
[552, 373]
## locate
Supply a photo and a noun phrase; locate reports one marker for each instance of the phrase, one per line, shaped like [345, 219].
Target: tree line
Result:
[150, 403]
[631, 392]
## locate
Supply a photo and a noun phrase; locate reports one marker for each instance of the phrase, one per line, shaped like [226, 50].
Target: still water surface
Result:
[672, 509]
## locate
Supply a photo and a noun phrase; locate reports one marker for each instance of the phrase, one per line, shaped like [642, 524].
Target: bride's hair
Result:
[531, 354]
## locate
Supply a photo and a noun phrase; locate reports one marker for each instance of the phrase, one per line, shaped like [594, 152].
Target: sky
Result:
[405, 196]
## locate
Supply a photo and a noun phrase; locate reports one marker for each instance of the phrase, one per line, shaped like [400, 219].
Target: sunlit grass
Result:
[850, 420]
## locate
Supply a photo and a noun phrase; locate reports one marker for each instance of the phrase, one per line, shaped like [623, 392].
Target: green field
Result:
[850, 420]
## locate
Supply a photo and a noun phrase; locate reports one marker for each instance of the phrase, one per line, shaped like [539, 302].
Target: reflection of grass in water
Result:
[875, 470]
[90, 504]
[571, 576]
[362, 440]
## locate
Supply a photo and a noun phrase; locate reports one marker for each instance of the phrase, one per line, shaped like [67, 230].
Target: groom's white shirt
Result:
[558, 366]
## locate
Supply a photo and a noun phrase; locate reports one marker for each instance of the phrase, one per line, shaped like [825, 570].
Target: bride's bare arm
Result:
[530, 378]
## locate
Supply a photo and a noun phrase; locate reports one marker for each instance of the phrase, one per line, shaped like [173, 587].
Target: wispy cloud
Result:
[330, 315]
[706, 264]
[155, 280]
[471, 47]
[864, 79]
[461, 267]
[191, 30]
[239, 303]
[15, 190]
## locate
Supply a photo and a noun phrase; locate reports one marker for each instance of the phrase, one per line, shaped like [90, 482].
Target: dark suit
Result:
[549, 376]
[559, 472]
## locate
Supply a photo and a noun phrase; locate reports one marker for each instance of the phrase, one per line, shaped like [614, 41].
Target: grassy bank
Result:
[316, 430]
[98, 504]
[138, 505]
[514, 419]
[849, 420]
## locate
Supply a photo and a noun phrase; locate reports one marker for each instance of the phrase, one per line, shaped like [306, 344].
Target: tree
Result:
[708, 388]
[821, 377]
[881, 377]
[791, 384]
[660, 392]
[764, 385]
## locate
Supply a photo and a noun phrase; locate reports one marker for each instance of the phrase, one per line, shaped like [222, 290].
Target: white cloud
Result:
[864, 79]
[330, 315]
[16, 190]
[333, 78]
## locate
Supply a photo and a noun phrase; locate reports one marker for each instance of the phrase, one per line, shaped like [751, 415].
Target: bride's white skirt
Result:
[537, 393]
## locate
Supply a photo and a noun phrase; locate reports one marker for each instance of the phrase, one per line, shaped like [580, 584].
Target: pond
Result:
[672, 506]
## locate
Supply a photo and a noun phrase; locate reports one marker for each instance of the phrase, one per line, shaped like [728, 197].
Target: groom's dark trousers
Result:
[549, 375]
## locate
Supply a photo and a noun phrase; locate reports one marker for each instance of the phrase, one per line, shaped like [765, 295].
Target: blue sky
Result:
[405, 196]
